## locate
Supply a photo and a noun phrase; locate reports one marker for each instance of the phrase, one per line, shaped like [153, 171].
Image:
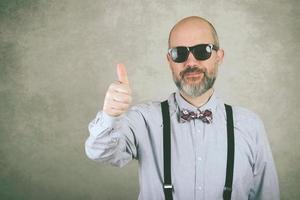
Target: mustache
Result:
[192, 69]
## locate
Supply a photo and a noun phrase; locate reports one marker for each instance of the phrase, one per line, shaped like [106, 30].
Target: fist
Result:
[118, 96]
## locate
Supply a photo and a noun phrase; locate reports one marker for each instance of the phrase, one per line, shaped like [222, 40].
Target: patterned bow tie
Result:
[205, 116]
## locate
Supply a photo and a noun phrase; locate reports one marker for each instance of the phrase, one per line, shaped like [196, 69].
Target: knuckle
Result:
[114, 85]
[108, 98]
[111, 86]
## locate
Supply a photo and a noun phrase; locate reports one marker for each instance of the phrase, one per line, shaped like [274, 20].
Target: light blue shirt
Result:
[198, 150]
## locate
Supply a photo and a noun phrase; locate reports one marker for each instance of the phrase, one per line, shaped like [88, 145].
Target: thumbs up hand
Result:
[118, 96]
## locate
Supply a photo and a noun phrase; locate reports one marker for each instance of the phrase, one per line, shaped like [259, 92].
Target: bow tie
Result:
[187, 115]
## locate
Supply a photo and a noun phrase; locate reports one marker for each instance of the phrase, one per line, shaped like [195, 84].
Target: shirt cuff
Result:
[107, 119]
[103, 123]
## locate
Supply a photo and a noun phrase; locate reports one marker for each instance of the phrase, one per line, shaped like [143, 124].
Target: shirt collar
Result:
[180, 103]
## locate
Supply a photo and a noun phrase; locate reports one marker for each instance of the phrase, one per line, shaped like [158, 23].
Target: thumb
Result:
[122, 73]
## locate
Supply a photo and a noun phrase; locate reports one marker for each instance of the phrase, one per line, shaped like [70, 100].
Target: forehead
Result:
[190, 34]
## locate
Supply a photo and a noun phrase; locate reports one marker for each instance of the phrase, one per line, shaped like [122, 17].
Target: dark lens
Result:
[202, 51]
[179, 54]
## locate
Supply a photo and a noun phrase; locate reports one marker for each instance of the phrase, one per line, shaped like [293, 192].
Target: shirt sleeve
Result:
[112, 139]
[265, 184]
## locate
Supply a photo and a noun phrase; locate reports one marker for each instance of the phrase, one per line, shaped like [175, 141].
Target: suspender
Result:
[230, 154]
[168, 187]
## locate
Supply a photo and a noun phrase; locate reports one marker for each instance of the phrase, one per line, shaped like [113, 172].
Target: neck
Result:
[200, 100]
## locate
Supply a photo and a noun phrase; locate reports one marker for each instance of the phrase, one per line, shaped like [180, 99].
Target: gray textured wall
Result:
[58, 57]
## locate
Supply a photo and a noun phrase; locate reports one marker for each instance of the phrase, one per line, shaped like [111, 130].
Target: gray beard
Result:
[195, 90]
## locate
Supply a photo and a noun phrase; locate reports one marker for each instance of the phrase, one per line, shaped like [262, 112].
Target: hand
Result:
[118, 96]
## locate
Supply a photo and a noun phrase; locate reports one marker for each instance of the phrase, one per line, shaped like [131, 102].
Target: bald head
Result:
[192, 29]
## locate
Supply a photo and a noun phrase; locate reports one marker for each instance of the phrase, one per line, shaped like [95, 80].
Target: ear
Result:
[220, 56]
[168, 57]
[169, 60]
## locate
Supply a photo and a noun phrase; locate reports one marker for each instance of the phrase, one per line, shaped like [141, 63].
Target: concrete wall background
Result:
[57, 59]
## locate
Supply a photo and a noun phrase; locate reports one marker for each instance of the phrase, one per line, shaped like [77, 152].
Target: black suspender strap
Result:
[230, 154]
[168, 187]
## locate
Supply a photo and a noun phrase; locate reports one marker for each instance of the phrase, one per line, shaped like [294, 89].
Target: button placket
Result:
[198, 159]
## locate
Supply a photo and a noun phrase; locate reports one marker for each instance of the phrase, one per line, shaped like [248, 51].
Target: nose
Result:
[191, 60]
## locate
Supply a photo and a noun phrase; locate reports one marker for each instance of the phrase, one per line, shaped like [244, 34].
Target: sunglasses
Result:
[200, 52]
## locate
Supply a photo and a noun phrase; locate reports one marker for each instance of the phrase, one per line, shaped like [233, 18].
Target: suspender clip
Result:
[227, 193]
[168, 186]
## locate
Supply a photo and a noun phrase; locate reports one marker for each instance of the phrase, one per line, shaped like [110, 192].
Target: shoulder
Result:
[146, 107]
[151, 112]
[248, 122]
[147, 112]
[152, 108]
[244, 115]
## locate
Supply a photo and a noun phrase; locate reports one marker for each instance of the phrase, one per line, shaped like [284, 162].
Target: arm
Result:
[112, 139]
[111, 136]
[265, 184]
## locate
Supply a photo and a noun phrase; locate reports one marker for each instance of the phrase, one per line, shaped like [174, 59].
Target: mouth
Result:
[193, 75]
[193, 78]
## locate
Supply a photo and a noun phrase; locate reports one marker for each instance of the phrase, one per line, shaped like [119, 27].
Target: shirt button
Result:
[199, 188]
[199, 158]
[114, 140]
[198, 131]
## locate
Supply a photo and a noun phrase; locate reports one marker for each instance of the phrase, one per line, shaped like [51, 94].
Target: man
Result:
[198, 125]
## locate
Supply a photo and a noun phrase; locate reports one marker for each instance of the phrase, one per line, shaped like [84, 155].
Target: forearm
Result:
[106, 142]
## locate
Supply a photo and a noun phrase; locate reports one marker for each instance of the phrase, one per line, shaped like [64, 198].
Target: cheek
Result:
[176, 68]
[211, 66]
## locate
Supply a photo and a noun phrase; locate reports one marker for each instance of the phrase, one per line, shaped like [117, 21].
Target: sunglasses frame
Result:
[191, 50]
